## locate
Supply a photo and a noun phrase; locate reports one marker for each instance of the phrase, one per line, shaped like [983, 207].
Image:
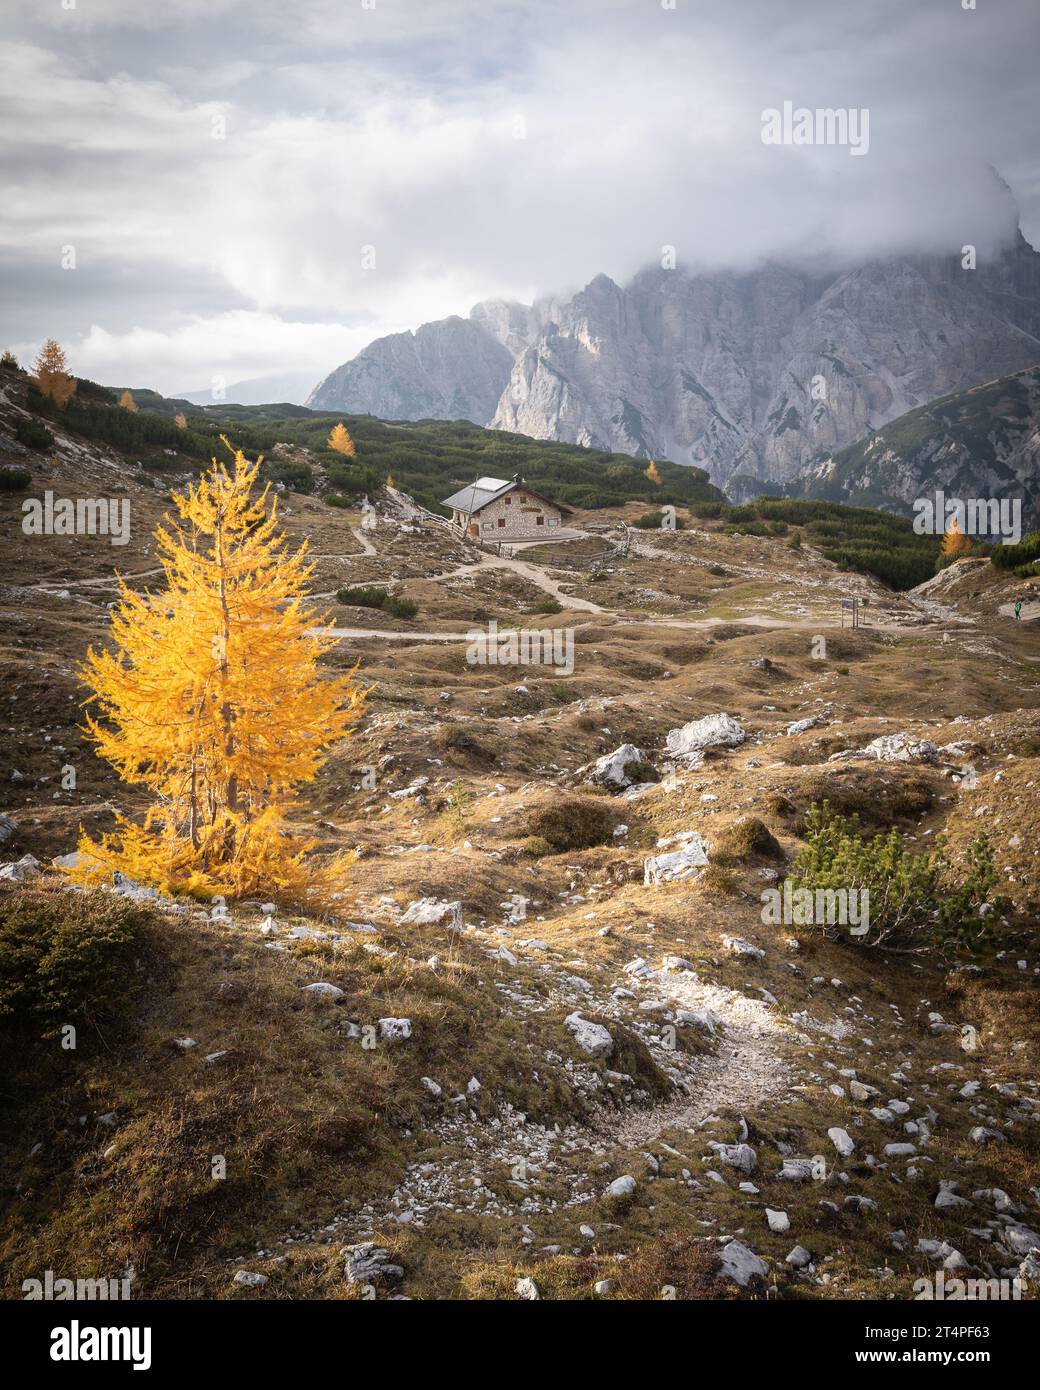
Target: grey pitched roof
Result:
[471, 499]
[479, 494]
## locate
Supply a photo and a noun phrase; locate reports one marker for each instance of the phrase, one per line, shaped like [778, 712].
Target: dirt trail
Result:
[533, 573]
[748, 1068]
[755, 620]
[366, 545]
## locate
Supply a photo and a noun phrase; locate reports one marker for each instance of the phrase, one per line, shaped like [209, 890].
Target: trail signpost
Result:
[853, 607]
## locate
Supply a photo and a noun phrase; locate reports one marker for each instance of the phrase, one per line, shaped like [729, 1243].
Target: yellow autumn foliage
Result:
[955, 542]
[340, 440]
[213, 698]
[51, 373]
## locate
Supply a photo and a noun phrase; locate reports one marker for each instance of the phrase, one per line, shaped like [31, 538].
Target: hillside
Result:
[983, 442]
[429, 458]
[538, 1067]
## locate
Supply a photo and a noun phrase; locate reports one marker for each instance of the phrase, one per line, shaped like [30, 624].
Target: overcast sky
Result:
[221, 166]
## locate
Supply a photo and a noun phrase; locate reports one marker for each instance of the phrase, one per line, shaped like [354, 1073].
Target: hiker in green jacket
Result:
[1018, 610]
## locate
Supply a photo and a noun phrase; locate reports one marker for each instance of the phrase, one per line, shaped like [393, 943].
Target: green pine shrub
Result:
[65, 958]
[914, 904]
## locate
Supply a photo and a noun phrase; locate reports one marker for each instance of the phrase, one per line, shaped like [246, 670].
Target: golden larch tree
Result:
[127, 402]
[390, 480]
[51, 373]
[340, 440]
[181, 421]
[213, 698]
[955, 542]
[653, 474]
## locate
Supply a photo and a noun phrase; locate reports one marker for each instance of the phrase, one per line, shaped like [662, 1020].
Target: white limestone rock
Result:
[713, 731]
[611, 770]
[737, 946]
[323, 989]
[741, 1264]
[677, 865]
[21, 871]
[432, 912]
[591, 1037]
[841, 1140]
[395, 1029]
[368, 1263]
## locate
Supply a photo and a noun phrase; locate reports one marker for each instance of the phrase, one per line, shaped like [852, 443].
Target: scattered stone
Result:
[859, 1091]
[778, 1220]
[369, 1263]
[713, 731]
[740, 1156]
[324, 989]
[947, 1197]
[678, 864]
[249, 1279]
[841, 1140]
[21, 871]
[741, 1264]
[527, 1288]
[799, 1257]
[591, 1037]
[892, 748]
[707, 1020]
[621, 1187]
[796, 1170]
[737, 946]
[612, 769]
[395, 1029]
[432, 912]
[1021, 1241]
[801, 726]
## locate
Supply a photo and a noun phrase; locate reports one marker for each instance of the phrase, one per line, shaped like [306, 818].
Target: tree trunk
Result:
[226, 713]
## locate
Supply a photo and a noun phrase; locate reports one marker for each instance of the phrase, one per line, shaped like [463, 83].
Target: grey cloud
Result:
[394, 127]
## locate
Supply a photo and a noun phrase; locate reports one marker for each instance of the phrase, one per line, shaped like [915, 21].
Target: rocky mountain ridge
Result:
[983, 442]
[763, 374]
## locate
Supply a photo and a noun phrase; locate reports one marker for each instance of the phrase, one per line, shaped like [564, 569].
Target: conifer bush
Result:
[914, 902]
[64, 958]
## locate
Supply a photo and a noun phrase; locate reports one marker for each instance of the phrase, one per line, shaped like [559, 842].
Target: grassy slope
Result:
[429, 458]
